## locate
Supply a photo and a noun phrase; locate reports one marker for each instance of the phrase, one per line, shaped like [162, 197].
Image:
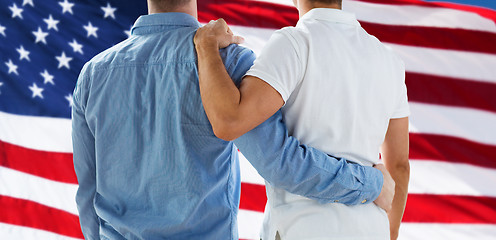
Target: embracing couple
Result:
[157, 119]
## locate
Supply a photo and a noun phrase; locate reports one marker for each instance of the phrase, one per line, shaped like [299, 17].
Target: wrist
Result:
[206, 44]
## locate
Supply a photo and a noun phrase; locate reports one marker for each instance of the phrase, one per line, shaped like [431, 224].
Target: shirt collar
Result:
[165, 19]
[330, 14]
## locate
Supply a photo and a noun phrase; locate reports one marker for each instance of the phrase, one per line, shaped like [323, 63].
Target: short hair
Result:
[169, 4]
[339, 2]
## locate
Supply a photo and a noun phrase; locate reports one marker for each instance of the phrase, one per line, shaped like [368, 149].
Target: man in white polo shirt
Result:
[340, 90]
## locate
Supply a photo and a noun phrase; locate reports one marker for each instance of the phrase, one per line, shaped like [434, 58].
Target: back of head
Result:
[168, 5]
[327, 2]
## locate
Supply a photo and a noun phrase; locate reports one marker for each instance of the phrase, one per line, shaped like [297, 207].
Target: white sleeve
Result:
[402, 109]
[279, 64]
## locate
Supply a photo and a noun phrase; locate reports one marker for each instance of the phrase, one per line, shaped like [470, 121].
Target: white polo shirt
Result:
[341, 87]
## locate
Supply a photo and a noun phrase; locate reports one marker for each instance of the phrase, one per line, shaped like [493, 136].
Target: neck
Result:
[188, 8]
[306, 6]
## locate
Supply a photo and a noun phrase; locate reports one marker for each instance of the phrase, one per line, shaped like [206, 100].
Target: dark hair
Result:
[169, 4]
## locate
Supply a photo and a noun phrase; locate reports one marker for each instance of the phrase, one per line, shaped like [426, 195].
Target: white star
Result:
[91, 30]
[47, 77]
[30, 2]
[69, 98]
[12, 67]
[23, 53]
[76, 46]
[109, 11]
[40, 36]
[66, 6]
[52, 23]
[1, 84]
[128, 32]
[16, 12]
[2, 30]
[37, 92]
[64, 60]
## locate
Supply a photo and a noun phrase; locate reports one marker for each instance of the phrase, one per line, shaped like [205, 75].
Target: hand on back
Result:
[385, 198]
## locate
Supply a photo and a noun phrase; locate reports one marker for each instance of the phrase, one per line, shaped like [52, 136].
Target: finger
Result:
[222, 21]
[223, 24]
[238, 40]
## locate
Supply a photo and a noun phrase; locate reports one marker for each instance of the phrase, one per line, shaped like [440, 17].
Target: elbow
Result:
[224, 134]
[400, 169]
[226, 129]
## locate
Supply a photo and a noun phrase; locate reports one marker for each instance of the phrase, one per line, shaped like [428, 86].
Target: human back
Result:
[160, 170]
[347, 71]
[341, 87]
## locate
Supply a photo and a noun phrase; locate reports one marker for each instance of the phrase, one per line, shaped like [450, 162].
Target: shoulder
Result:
[107, 56]
[388, 54]
[295, 35]
[237, 60]
[235, 54]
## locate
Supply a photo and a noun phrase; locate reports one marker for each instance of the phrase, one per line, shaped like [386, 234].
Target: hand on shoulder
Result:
[216, 33]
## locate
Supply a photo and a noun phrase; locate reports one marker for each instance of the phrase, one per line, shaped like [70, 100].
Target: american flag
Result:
[450, 54]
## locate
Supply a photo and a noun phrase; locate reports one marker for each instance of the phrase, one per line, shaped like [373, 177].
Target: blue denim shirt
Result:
[147, 161]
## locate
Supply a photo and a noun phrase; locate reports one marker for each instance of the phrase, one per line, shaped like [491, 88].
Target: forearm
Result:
[219, 95]
[302, 170]
[401, 175]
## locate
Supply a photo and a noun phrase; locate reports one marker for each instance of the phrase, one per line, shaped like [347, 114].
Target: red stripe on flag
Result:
[252, 197]
[275, 16]
[441, 38]
[451, 91]
[34, 215]
[451, 149]
[248, 13]
[428, 208]
[50, 165]
[422, 208]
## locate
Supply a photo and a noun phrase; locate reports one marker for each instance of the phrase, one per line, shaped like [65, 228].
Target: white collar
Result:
[330, 14]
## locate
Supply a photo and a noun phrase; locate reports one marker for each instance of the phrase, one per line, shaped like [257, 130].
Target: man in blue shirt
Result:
[147, 161]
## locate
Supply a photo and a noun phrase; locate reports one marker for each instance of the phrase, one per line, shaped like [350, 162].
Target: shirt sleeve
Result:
[285, 163]
[84, 163]
[402, 109]
[237, 61]
[279, 63]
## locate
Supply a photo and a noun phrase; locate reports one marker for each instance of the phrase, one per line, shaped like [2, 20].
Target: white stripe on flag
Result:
[14, 232]
[433, 177]
[47, 192]
[466, 123]
[450, 63]
[250, 223]
[39, 133]
[248, 173]
[418, 16]
[433, 231]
